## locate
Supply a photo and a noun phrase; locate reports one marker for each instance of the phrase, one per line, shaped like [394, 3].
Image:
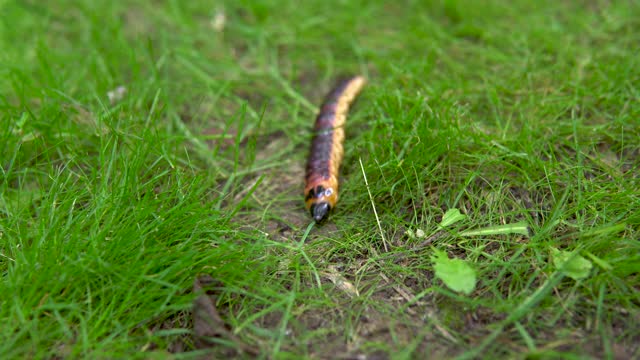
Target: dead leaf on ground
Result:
[207, 323]
[341, 282]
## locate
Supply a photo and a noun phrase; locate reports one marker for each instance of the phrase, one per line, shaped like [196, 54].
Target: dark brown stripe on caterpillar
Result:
[321, 190]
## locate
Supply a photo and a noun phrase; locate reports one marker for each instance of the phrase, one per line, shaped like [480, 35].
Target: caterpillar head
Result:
[320, 199]
[320, 211]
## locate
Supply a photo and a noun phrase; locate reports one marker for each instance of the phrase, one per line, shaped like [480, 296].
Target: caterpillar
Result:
[325, 156]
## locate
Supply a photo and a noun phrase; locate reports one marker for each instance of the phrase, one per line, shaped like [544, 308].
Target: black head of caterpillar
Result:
[320, 211]
[319, 201]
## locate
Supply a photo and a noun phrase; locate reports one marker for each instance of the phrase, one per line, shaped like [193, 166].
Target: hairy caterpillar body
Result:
[321, 190]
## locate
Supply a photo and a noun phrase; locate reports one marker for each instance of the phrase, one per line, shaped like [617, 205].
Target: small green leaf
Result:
[573, 265]
[517, 228]
[451, 217]
[455, 273]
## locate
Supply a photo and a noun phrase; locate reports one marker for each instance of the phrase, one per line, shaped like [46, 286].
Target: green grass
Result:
[510, 112]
